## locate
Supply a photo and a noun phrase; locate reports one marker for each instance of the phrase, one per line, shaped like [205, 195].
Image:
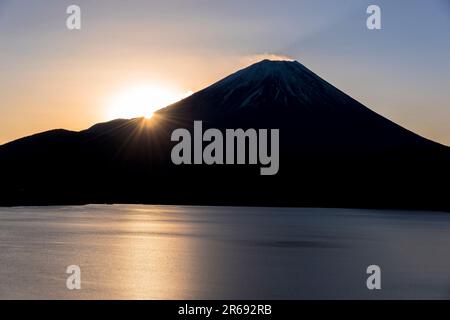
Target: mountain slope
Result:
[273, 94]
[333, 152]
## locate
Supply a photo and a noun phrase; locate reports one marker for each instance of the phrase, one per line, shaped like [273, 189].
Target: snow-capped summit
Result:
[274, 84]
[282, 80]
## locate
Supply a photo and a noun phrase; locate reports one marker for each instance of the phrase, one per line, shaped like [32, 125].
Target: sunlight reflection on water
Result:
[183, 252]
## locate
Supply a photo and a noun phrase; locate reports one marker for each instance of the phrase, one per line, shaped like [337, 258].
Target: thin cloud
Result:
[250, 59]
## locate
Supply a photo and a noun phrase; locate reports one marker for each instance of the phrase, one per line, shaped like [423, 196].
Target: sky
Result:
[52, 77]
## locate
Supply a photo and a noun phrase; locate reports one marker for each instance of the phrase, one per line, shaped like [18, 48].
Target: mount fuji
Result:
[334, 152]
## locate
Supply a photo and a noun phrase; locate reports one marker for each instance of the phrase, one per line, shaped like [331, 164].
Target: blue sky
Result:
[51, 77]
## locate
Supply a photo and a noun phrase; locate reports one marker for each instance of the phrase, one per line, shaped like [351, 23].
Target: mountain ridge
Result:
[334, 150]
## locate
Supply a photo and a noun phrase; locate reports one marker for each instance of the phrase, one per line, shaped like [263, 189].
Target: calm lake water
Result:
[188, 252]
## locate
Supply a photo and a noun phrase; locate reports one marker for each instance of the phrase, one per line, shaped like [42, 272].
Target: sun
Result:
[142, 101]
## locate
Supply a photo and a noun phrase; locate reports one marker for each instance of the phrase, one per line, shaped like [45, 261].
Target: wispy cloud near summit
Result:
[250, 59]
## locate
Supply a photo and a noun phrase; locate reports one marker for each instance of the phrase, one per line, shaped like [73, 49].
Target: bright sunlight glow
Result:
[142, 101]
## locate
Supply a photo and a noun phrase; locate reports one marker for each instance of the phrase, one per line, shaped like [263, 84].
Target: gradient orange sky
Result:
[51, 77]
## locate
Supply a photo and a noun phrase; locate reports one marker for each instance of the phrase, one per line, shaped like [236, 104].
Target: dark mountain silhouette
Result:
[333, 152]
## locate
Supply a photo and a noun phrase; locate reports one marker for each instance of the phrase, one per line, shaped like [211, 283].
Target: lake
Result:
[195, 252]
